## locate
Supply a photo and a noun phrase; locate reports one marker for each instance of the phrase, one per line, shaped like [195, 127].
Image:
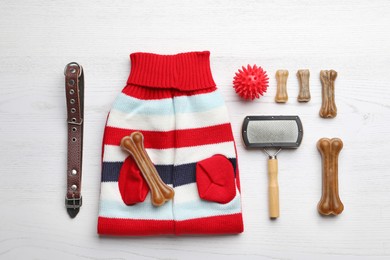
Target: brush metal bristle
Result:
[277, 131]
[272, 131]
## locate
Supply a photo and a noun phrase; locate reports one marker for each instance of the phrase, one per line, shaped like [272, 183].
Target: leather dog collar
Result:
[74, 90]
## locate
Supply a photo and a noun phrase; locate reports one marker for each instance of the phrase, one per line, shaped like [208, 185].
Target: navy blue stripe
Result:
[110, 172]
[182, 174]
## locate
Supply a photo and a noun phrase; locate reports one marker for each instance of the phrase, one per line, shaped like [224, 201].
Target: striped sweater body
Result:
[174, 102]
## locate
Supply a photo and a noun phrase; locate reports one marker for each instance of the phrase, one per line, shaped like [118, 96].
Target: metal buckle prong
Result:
[76, 123]
[73, 203]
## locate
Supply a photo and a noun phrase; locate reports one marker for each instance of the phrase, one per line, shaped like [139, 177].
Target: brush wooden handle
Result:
[273, 188]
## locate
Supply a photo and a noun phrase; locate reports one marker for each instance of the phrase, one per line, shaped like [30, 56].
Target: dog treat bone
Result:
[281, 90]
[328, 108]
[167, 191]
[304, 85]
[156, 196]
[160, 192]
[330, 202]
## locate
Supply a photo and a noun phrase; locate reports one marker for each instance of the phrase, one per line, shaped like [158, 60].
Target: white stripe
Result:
[141, 122]
[176, 156]
[181, 104]
[216, 116]
[198, 153]
[112, 206]
[179, 121]
[113, 153]
[202, 208]
[188, 193]
[110, 191]
[185, 206]
[145, 210]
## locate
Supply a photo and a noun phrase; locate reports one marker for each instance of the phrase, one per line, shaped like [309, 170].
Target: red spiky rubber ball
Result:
[251, 82]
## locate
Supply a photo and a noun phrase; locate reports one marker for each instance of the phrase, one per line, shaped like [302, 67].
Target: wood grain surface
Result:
[38, 38]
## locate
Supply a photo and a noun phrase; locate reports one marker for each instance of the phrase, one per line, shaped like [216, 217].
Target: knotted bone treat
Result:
[160, 192]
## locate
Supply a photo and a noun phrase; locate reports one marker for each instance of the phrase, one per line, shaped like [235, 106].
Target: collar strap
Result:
[74, 91]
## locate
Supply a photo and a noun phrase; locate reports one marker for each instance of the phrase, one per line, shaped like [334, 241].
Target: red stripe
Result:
[226, 224]
[147, 93]
[134, 227]
[175, 138]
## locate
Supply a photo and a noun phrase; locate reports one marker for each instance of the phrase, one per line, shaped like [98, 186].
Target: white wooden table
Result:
[37, 39]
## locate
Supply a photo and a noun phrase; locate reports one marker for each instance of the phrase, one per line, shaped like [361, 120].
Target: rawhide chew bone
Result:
[304, 85]
[328, 108]
[330, 202]
[160, 192]
[281, 90]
